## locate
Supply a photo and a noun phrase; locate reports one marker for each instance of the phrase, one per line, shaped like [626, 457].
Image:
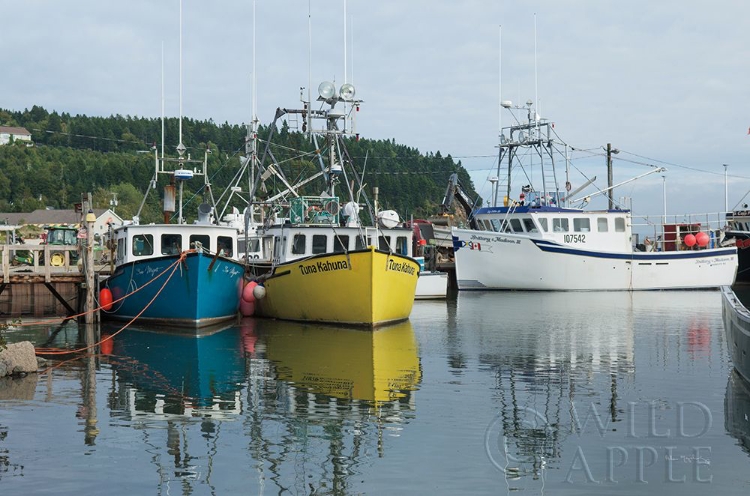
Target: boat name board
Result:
[326, 266]
[401, 267]
[714, 260]
[476, 243]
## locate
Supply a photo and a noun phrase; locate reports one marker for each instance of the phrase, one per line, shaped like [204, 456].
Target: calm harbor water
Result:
[487, 393]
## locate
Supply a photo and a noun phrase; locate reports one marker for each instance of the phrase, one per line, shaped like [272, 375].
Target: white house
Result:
[17, 133]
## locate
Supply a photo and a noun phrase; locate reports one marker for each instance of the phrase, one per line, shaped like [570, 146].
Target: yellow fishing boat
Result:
[320, 260]
[377, 366]
[366, 287]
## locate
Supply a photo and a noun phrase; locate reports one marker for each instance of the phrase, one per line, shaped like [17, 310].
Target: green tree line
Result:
[73, 155]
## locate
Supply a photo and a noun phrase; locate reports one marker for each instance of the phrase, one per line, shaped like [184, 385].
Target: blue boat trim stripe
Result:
[550, 246]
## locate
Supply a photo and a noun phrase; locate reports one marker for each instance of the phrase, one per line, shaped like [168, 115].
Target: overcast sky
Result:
[666, 82]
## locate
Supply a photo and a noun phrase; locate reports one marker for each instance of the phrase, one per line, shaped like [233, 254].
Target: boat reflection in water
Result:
[299, 392]
[352, 364]
[173, 372]
[737, 410]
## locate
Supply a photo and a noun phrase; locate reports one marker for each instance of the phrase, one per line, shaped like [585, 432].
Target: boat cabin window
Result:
[253, 245]
[203, 239]
[360, 243]
[543, 223]
[619, 224]
[581, 225]
[340, 244]
[171, 244]
[560, 225]
[528, 223]
[298, 244]
[495, 225]
[143, 244]
[319, 244]
[402, 247]
[224, 246]
[278, 247]
[120, 249]
[601, 224]
[487, 225]
[383, 244]
[516, 225]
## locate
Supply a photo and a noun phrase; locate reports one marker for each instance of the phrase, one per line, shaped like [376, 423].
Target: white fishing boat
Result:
[541, 242]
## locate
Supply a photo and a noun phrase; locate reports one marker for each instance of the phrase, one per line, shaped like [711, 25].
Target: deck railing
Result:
[667, 233]
[12, 255]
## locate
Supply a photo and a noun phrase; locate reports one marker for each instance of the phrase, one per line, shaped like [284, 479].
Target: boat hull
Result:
[432, 285]
[490, 260]
[203, 290]
[363, 288]
[742, 240]
[737, 328]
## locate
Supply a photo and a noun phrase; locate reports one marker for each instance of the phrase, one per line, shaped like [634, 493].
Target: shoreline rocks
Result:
[18, 358]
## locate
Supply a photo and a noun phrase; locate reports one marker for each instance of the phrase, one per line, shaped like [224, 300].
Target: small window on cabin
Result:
[203, 239]
[528, 223]
[298, 244]
[516, 225]
[120, 249]
[360, 243]
[143, 245]
[601, 224]
[619, 224]
[253, 245]
[319, 244]
[402, 248]
[495, 225]
[560, 224]
[340, 244]
[581, 224]
[224, 246]
[543, 223]
[383, 244]
[171, 244]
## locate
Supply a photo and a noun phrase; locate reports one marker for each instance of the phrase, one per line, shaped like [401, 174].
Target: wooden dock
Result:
[22, 286]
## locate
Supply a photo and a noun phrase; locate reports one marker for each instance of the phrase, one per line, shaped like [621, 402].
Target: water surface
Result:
[548, 393]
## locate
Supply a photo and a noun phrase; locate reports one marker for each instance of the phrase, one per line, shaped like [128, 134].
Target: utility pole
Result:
[610, 193]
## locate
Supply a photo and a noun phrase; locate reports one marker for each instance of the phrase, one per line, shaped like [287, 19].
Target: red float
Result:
[105, 299]
[702, 239]
[247, 292]
[689, 240]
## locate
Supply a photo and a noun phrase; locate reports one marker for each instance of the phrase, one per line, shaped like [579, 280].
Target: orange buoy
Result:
[247, 292]
[702, 239]
[105, 299]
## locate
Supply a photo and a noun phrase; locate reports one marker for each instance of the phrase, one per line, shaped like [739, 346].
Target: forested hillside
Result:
[73, 155]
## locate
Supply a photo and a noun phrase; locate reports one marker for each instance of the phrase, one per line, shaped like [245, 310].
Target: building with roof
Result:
[44, 217]
[16, 133]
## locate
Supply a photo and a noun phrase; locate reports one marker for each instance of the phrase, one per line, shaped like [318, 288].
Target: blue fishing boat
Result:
[175, 274]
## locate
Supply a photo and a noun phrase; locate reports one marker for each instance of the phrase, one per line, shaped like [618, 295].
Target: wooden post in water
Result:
[89, 223]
